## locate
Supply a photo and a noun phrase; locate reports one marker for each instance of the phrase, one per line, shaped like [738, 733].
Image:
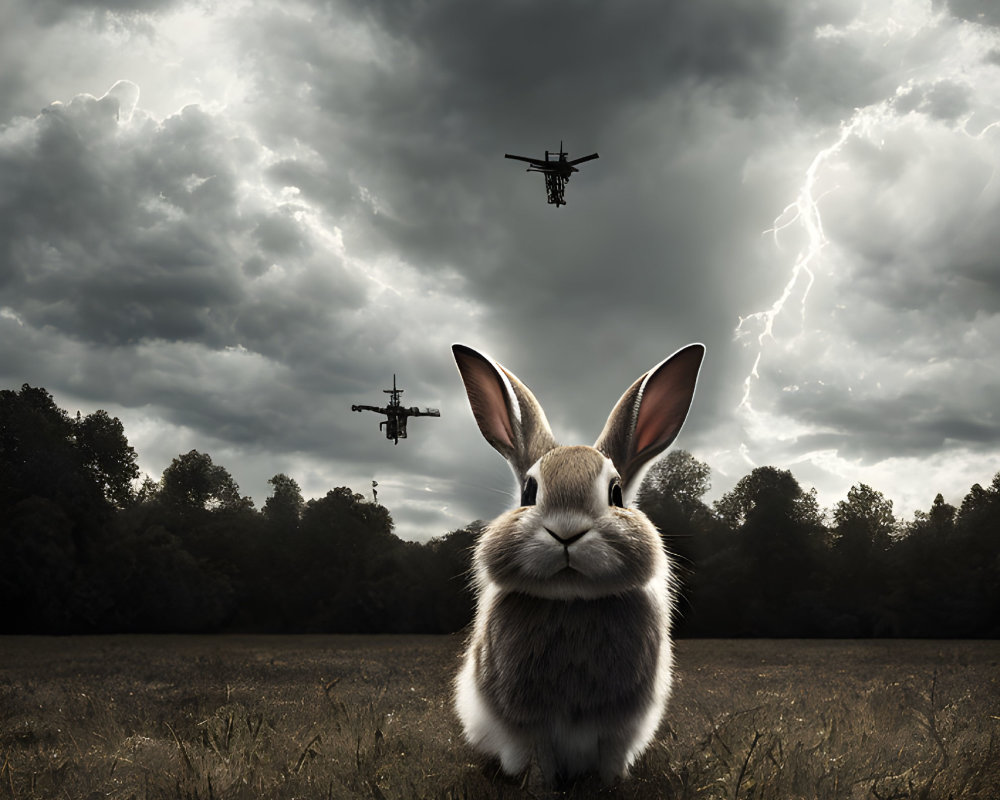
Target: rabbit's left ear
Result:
[650, 414]
[506, 411]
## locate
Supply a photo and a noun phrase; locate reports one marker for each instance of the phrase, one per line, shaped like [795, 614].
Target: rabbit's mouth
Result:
[569, 583]
[572, 577]
[574, 566]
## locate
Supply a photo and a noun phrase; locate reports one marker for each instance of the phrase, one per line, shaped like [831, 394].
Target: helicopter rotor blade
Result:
[536, 161]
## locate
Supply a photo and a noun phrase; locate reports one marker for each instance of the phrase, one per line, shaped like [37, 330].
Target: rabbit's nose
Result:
[566, 541]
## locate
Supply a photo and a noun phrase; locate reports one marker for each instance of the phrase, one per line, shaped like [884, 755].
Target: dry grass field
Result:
[369, 717]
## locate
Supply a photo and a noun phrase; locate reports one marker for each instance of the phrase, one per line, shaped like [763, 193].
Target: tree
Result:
[449, 585]
[859, 571]
[283, 508]
[38, 453]
[672, 490]
[971, 552]
[343, 559]
[107, 456]
[39, 562]
[863, 523]
[981, 507]
[671, 496]
[193, 483]
[940, 520]
[84, 551]
[932, 574]
[41, 459]
[769, 495]
[772, 573]
[59, 481]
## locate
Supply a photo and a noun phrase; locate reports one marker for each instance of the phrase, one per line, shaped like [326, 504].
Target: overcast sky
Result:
[227, 221]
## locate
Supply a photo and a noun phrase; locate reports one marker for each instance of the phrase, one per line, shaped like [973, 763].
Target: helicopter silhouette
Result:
[396, 414]
[556, 169]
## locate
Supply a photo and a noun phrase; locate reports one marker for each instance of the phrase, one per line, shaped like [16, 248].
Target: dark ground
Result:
[369, 717]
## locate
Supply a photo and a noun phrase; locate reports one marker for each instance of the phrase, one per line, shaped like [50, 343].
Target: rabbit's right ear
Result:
[507, 413]
[650, 414]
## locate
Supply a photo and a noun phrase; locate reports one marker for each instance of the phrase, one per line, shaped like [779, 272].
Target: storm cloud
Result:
[227, 223]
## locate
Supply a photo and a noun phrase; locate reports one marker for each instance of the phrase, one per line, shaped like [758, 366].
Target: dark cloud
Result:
[159, 265]
[978, 11]
[944, 100]
[444, 89]
[118, 236]
[51, 12]
[429, 100]
[336, 208]
[115, 241]
[570, 58]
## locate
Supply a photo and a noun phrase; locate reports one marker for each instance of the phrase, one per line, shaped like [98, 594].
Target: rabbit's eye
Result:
[615, 497]
[529, 492]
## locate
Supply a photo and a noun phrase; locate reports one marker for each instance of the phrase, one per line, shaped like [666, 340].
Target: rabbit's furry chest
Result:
[575, 660]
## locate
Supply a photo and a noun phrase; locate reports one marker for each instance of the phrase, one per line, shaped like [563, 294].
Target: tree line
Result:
[85, 547]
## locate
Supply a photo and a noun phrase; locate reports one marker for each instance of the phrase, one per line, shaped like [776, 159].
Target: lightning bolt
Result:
[804, 212]
[965, 60]
[943, 72]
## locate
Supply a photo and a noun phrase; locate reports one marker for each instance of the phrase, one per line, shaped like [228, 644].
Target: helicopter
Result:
[396, 414]
[556, 169]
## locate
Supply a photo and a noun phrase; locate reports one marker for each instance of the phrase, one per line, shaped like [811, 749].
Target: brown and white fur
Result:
[570, 658]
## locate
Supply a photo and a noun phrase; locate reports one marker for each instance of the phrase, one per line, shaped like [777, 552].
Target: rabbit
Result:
[569, 658]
